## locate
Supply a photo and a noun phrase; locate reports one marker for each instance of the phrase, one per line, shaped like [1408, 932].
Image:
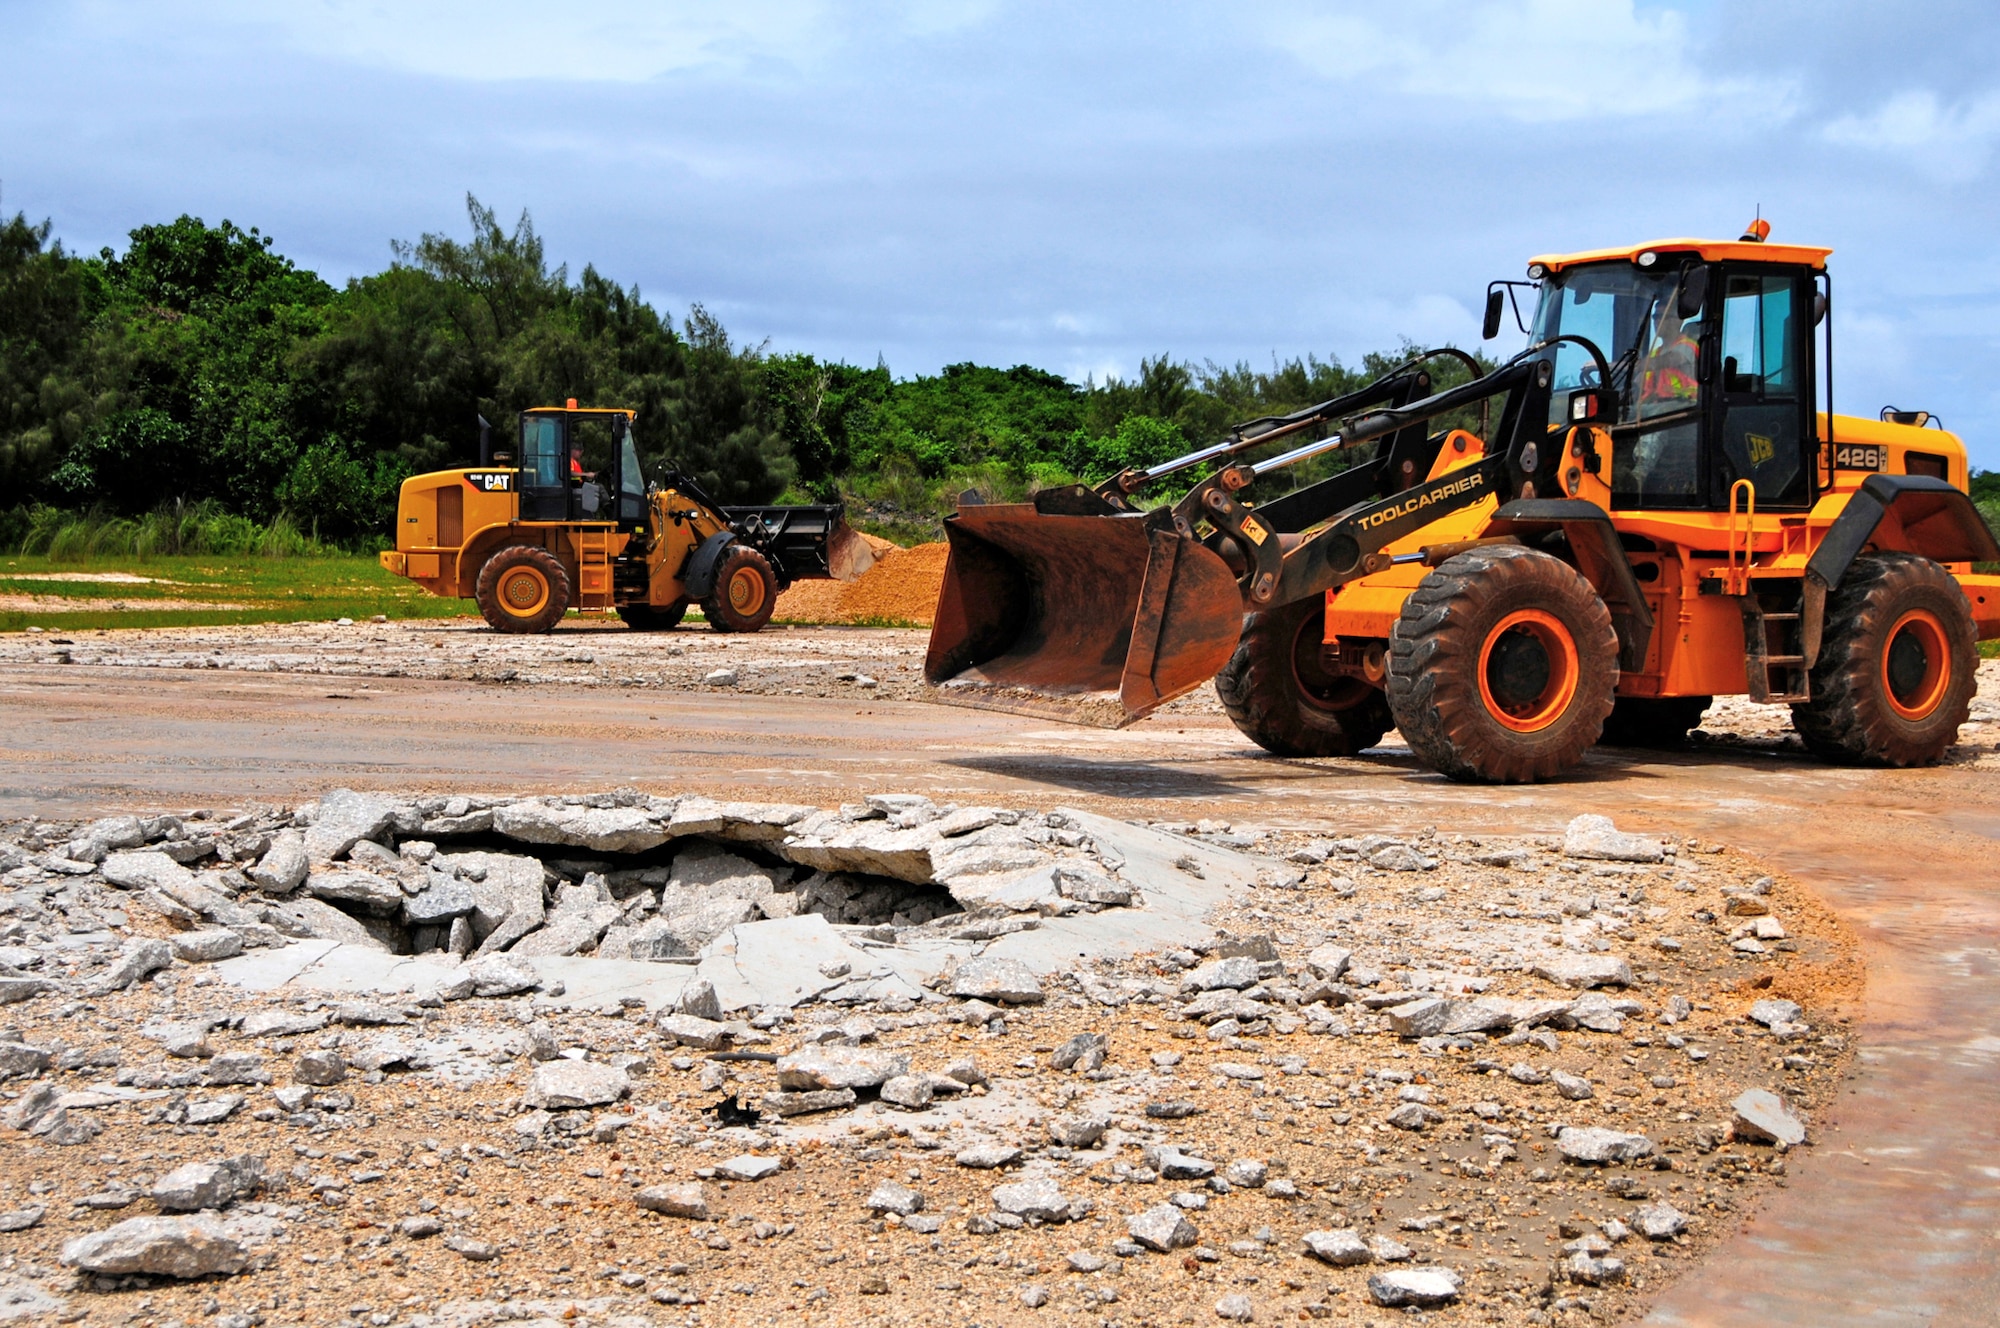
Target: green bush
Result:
[175, 530]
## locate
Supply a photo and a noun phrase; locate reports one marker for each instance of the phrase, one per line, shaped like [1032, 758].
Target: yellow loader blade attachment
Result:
[1093, 619]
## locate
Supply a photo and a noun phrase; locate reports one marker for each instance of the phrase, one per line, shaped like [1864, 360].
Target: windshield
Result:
[1632, 314]
[1629, 313]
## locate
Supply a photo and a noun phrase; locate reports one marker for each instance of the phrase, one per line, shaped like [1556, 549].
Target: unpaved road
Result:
[1894, 1218]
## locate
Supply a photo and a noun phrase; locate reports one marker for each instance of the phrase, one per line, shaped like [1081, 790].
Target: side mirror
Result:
[1820, 304]
[1694, 293]
[1496, 303]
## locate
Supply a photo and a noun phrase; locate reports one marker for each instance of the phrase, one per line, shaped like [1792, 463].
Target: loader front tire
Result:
[1276, 692]
[522, 589]
[746, 591]
[1897, 659]
[1660, 722]
[1502, 666]
[653, 618]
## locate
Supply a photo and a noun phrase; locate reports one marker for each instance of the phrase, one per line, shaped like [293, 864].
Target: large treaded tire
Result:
[522, 590]
[1274, 691]
[1892, 613]
[1660, 722]
[1502, 666]
[745, 594]
[648, 618]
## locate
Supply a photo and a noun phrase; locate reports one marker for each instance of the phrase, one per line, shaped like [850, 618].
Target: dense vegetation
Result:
[201, 393]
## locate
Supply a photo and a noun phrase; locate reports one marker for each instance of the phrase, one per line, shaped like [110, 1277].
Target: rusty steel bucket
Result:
[1094, 618]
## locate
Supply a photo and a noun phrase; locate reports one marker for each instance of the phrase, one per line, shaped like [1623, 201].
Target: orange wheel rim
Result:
[1528, 670]
[746, 591]
[523, 591]
[1916, 664]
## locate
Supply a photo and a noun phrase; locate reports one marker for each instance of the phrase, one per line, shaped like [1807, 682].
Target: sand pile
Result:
[902, 587]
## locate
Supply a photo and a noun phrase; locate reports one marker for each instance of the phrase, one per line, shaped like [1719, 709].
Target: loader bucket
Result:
[1100, 619]
[847, 554]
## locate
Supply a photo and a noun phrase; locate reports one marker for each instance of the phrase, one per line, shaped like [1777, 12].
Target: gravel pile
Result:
[902, 587]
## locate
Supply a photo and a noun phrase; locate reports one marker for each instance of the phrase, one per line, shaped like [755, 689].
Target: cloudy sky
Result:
[1068, 185]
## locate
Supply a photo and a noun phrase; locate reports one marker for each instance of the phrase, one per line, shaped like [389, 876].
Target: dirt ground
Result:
[120, 722]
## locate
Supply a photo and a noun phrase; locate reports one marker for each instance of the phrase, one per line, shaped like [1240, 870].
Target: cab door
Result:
[545, 489]
[1759, 375]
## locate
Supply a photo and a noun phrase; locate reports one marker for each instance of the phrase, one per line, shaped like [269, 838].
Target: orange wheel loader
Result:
[1658, 512]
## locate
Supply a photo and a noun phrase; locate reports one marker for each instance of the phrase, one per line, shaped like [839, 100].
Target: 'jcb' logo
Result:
[1762, 449]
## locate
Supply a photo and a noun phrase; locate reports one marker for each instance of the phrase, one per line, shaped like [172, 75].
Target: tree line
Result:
[201, 370]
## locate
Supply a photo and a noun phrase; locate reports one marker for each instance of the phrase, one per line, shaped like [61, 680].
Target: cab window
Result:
[1661, 466]
[541, 452]
[1763, 425]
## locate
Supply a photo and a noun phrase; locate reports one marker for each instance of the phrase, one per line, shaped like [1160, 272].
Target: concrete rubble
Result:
[1298, 1066]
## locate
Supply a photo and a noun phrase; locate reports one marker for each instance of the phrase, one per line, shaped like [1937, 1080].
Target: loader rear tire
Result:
[653, 618]
[522, 590]
[1502, 666]
[1276, 692]
[746, 591]
[1896, 665]
[1659, 722]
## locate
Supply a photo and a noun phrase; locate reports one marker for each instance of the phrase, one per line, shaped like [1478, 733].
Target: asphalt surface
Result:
[1892, 1218]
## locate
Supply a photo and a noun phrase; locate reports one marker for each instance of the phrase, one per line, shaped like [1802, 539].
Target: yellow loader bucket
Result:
[1098, 619]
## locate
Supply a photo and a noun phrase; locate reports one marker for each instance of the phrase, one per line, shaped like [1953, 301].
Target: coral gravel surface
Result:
[821, 662]
[1513, 1079]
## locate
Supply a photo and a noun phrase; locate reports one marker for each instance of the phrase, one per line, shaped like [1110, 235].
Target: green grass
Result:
[317, 589]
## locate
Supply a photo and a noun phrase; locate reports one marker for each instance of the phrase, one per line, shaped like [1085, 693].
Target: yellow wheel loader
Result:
[574, 524]
[1656, 514]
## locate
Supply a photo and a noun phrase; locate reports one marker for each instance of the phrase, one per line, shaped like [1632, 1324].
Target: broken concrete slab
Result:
[362, 892]
[605, 829]
[874, 847]
[180, 1247]
[284, 866]
[779, 962]
[148, 869]
[1584, 970]
[1178, 901]
[816, 1068]
[744, 822]
[1761, 1116]
[995, 978]
[564, 1084]
[344, 818]
[1594, 1144]
[1592, 836]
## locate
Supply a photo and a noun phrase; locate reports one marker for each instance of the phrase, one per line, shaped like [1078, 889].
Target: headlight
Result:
[1648, 258]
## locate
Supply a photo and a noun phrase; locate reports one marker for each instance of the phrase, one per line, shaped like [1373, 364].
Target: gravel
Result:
[1228, 1090]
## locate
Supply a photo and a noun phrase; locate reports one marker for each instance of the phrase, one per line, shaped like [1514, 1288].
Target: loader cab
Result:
[1711, 353]
[580, 465]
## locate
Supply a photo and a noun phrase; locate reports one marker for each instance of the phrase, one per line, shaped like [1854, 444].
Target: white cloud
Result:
[583, 40]
[598, 40]
[1530, 60]
[1950, 142]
